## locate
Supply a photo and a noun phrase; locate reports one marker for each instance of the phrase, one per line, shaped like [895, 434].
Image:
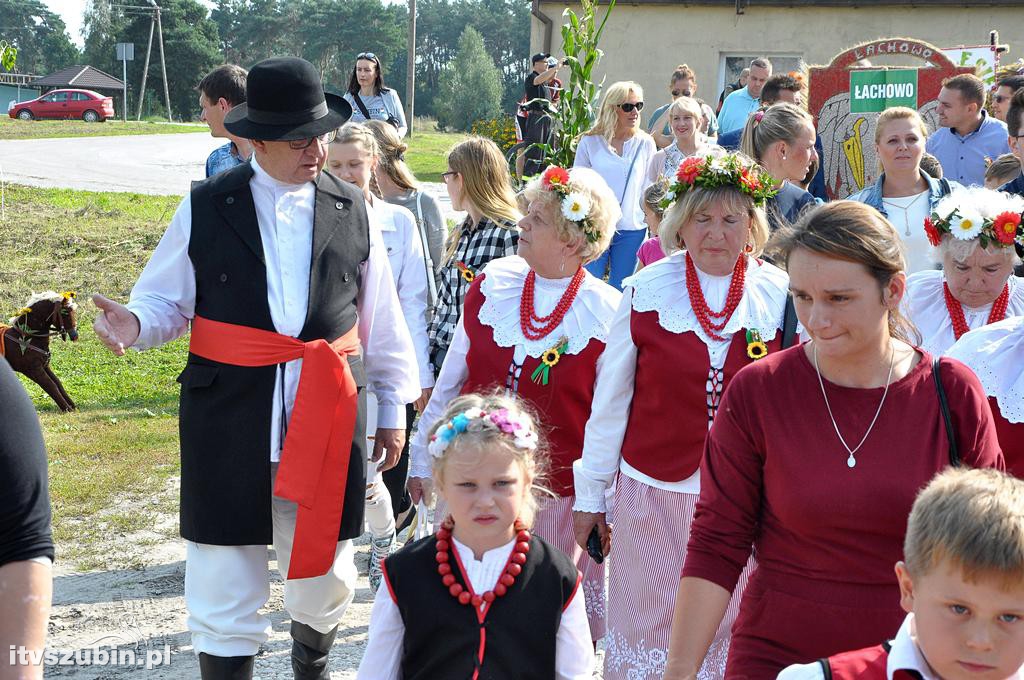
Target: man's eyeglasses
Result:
[367, 55]
[299, 144]
[629, 106]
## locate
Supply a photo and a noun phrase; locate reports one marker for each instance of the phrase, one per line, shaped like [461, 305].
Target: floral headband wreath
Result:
[708, 172]
[515, 426]
[575, 205]
[992, 217]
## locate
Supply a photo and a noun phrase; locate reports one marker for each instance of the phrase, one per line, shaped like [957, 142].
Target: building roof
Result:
[86, 77]
[754, 4]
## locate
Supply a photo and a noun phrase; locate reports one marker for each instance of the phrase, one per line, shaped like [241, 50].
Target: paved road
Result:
[146, 164]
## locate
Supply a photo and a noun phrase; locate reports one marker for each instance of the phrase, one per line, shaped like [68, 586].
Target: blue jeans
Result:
[620, 258]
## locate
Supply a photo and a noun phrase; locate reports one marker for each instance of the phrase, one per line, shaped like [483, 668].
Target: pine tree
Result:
[470, 87]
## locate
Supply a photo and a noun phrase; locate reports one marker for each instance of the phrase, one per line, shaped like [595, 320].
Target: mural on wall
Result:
[848, 138]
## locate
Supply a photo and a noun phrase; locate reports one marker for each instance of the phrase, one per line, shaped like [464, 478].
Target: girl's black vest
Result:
[442, 637]
[226, 410]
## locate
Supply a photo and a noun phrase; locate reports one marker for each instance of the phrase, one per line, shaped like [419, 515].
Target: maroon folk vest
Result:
[671, 392]
[563, 405]
[863, 664]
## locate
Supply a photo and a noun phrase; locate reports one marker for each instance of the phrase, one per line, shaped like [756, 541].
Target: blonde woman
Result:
[477, 182]
[396, 184]
[904, 193]
[620, 152]
[552, 365]
[781, 138]
[686, 325]
[685, 119]
[353, 157]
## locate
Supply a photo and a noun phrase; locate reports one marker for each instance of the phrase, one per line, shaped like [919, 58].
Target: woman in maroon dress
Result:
[535, 324]
[816, 457]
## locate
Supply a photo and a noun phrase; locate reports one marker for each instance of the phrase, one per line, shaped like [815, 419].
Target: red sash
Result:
[314, 462]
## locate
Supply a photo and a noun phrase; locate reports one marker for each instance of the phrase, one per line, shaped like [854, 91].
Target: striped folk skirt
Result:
[553, 523]
[652, 528]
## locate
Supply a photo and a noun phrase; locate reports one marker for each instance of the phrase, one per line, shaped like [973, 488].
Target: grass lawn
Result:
[121, 447]
[12, 128]
[428, 149]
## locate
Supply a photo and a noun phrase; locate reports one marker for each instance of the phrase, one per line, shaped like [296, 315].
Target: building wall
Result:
[645, 42]
[10, 93]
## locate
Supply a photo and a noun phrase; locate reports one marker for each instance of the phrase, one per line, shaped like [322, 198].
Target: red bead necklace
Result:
[956, 310]
[465, 595]
[536, 327]
[700, 303]
[512, 569]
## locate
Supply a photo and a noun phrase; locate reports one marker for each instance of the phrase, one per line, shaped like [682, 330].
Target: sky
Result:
[71, 12]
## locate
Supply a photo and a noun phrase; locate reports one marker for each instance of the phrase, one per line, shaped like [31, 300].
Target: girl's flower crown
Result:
[514, 425]
[575, 204]
[992, 217]
[710, 172]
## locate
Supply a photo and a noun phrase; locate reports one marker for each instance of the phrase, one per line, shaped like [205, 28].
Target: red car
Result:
[85, 104]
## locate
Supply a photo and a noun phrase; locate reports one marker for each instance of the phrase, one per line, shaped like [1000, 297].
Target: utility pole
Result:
[410, 76]
[145, 69]
[163, 62]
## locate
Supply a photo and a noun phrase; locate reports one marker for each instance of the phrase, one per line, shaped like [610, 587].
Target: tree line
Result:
[328, 33]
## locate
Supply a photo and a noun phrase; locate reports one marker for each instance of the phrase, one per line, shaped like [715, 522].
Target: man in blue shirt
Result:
[1015, 132]
[741, 103]
[221, 90]
[969, 137]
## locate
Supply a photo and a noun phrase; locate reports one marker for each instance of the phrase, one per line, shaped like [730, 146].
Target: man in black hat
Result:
[271, 262]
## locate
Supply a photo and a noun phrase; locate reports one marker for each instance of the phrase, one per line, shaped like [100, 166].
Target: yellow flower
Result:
[757, 350]
[551, 357]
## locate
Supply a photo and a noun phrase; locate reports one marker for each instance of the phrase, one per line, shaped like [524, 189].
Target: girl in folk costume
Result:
[973, 231]
[816, 457]
[996, 355]
[536, 324]
[685, 326]
[685, 116]
[484, 597]
[477, 181]
[352, 157]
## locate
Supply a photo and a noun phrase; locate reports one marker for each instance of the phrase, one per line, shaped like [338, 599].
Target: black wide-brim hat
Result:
[286, 100]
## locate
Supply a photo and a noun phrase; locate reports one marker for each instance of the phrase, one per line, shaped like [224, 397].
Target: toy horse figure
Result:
[26, 342]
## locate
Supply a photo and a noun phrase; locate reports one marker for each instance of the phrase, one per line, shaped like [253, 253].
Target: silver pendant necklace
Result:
[906, 210]
[852, 460]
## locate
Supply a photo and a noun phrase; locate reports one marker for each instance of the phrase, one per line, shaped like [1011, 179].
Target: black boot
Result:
[310, 649]
[225, 667]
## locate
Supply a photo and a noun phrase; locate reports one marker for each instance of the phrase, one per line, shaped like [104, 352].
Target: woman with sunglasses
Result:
[618, 150]
[369, 98]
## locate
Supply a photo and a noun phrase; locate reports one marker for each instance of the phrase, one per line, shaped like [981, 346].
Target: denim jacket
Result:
[937, 188]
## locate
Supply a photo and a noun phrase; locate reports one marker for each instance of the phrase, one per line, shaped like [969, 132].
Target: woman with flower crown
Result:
[536, 324]
[685, 326]
[973, 232]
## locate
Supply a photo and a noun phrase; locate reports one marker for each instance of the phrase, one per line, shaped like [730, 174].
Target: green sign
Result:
[874, 91]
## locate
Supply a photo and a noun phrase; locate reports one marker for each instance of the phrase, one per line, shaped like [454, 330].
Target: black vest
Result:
[442, 637]
[225, 413]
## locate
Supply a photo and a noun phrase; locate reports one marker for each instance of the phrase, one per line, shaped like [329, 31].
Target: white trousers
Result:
[380, 516]
[225, 587]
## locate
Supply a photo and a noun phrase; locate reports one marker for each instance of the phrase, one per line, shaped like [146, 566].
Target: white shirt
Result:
[661, 287]
[409, 268]
[994, 353]
[574, 651]
[907, 214]
[595, 152]
[589, 317]
[164, 297]
[904, 655]
[925, 305]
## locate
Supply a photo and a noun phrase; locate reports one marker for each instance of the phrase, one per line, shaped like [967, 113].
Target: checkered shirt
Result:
[476, 247]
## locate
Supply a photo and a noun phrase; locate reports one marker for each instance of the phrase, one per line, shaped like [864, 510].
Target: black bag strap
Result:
[362, 107]
[826, 669]
[954, 453]
[789, 324]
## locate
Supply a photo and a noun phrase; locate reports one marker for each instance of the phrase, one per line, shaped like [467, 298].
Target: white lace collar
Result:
[588, 318]
[925, 306]
[661, 287]
[996, 355]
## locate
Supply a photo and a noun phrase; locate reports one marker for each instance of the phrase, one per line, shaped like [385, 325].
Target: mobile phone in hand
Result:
[594, 546]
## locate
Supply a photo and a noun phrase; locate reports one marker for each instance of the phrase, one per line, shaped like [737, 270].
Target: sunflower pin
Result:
[548, 360]
[68, 295]
[466, 272]
[756, 349]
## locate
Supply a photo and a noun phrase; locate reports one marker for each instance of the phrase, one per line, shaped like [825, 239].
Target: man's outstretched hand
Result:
[115, 325]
